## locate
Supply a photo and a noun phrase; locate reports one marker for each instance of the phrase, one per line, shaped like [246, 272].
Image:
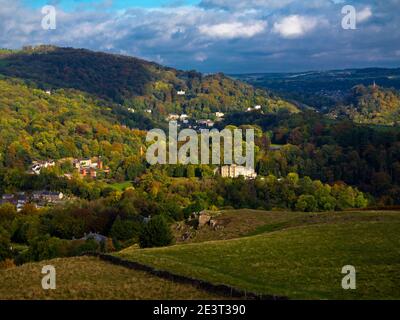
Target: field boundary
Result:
[221, 289]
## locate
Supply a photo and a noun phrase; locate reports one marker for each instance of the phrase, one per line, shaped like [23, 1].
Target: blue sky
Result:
[70, 5]
[231, 36]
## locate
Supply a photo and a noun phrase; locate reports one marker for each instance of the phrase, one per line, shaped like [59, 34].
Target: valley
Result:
[323, 192]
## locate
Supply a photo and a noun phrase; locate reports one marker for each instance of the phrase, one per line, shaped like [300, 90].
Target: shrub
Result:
[46, 247]
[124, 229]
[5, 251]
[156, 233]
[78, 247]
[306, 203]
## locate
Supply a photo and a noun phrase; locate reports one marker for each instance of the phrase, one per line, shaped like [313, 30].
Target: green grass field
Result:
[121, 186]
[246, 222]
[89, 278]
[296, 255]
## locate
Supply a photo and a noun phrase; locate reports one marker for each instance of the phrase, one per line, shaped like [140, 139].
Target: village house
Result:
[235, 171]
[175, 117]
[47, 196]
[37, 166]
[172, 117]
[85, 163]
[181, 93]
[89, 167]
[256, 108]
[95, 236]
[7, 197]
[206, 123]
[19, 200]
[219, 114]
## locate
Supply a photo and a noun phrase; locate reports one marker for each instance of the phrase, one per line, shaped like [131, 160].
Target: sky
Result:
[228, 36]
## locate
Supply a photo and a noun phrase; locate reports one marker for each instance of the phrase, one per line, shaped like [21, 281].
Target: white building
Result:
[181, 93]
[208, 123]
[235, 171]
[37, 166]
[172, 117]
[219, 114]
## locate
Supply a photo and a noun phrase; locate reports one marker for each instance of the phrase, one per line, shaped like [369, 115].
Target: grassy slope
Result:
[302, 260]
[247, 222]
[121, 186]
[90, 278]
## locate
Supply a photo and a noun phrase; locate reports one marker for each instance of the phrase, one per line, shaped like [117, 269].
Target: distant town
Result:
[90, 168]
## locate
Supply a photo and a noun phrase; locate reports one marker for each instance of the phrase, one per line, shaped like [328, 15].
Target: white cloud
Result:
[200, 57]
[233, 30]
[242, 5]
[295, 26]
[191, 36]
[364, 14]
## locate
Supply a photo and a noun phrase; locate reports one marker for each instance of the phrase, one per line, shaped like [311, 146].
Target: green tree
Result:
[156, 233]
[46, 247]
[361, 201]
[306, 203]
[5, 245]
[124, 229]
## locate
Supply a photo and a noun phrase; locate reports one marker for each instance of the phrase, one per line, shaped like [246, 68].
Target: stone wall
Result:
[223, 290]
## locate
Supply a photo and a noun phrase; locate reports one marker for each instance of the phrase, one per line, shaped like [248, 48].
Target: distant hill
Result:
[64, 123]
[322, 89]
[373, 104]
[135, 83]
[64, 102]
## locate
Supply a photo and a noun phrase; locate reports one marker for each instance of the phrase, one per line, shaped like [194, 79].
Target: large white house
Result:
[235, 171]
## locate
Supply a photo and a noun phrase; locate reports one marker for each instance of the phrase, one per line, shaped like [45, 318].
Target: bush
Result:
[5, 251]
[25, 229]
[156, 233]
[124, 229]
[306, 203]
[79, 247]
[46, 247]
